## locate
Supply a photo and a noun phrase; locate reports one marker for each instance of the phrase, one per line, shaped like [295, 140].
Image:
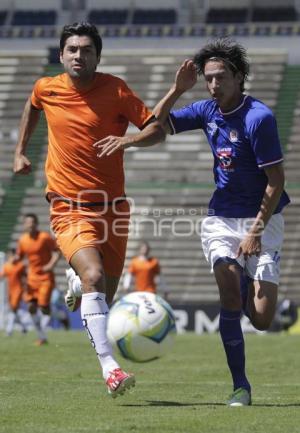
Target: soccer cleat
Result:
[240, 397]
[118, 381]
[72, 302]
[41, 342]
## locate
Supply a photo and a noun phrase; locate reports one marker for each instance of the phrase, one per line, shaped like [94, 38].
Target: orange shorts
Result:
[39, 292]
[102, 227]
[14, 297]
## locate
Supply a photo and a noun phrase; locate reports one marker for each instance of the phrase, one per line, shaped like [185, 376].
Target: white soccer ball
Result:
[141, 326]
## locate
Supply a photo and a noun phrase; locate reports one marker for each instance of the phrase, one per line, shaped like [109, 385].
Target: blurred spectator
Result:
[14, 271]
[144, 269]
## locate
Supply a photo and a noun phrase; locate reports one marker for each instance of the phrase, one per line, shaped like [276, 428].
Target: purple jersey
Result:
[243, 142]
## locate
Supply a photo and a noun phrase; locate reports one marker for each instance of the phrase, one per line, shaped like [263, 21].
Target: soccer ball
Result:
[141, 326]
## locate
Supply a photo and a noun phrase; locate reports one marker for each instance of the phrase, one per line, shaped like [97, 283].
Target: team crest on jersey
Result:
[212, 128]
[224, 156]
[233, 135]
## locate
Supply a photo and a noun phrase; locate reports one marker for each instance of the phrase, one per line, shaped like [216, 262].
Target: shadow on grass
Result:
[276, 405]
[171, 403]
[161, 403]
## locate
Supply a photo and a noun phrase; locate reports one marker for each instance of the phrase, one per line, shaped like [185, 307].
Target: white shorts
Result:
[221, 238]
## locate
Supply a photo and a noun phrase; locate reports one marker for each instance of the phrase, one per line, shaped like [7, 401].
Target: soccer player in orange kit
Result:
[145, 270]
[89, 210]
[42, 254]
[14, 270]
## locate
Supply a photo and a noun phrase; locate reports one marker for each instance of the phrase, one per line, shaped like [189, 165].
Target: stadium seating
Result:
[34, 18]
[290, 270]
[274, 14]
[154, 16]
[222, 16]
[18, 71]
[3, 15]
[108, 16]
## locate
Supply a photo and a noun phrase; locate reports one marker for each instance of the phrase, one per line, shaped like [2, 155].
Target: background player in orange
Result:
[145, 270]
[89, 210]
[14, 270]
[42, 254]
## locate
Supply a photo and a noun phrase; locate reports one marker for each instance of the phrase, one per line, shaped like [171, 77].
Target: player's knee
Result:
[231, 302]
[92, 278]
[261, 323]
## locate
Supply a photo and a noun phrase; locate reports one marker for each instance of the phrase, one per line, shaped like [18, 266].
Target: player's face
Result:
[30, 225]
[222, 84]
[79, 57]
[144, 250]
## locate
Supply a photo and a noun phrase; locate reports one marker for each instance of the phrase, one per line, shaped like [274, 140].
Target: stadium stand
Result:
[290, 270]
[108, 16]
[3, 15]
[125, 18]
[274, 14]
[154, 16]
[34, 18]
[18, 71]
[222, 16]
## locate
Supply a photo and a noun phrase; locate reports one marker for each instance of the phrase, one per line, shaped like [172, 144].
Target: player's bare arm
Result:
[152, 134]
[29, 120]
[251, 245]
[51, 264]
[185, 79]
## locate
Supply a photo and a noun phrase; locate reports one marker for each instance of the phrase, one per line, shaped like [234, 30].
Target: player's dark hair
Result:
[144, 243]
[11, 250]
[227, 50]
[33, 216]
[82, 28]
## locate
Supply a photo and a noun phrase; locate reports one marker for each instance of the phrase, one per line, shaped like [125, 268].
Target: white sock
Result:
[76, 286]
[74, 281]
[19, 320]
[45, 320]
[94, 311]
[37, 324]
[10, 322]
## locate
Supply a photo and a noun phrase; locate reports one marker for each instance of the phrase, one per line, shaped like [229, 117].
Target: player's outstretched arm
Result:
[29, 120]
[185, 79]
[152, 134]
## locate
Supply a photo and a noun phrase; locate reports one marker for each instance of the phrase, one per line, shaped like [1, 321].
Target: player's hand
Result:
[22, 165]
[109, 145]
[186, 76]
[250, 246]
[47, 268]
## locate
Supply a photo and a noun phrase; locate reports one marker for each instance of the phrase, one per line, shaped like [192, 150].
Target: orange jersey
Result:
[13, 272]
[39, 252]
[144, 272]
[76, 120]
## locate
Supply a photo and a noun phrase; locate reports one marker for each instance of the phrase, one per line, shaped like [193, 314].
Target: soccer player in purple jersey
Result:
[243, 234]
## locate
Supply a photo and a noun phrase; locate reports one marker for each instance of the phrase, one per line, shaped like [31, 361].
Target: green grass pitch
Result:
[57, 389]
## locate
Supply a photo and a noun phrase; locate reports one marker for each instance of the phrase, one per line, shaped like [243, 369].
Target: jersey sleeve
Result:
[36, 94]
[265, 142]
[187, 118]
[132, 108]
